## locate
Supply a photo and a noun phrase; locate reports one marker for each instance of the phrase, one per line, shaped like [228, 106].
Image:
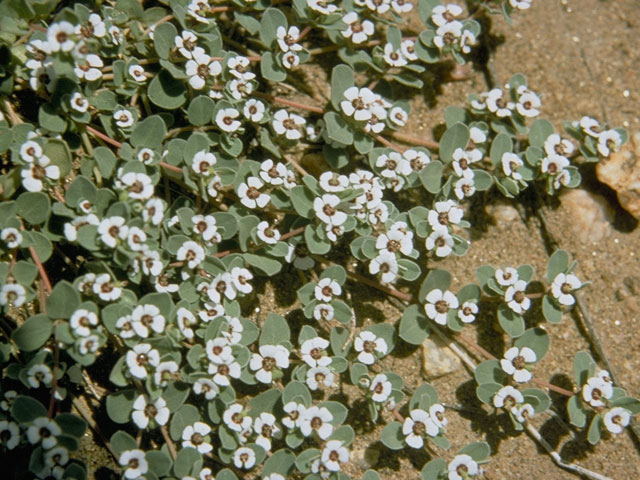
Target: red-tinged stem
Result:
[168, 166]
[555, 388]
[43, 273]
[411, 140]
[303, 33]
[388, 290]
[289, 103]
[170, 444]
[387, 143]
[102, 136]
[473, 345]
[292, 233]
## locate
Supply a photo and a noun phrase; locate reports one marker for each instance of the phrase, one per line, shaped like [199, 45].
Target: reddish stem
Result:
[43, 273]
[102, 136]
[410, 139]
[289, 103]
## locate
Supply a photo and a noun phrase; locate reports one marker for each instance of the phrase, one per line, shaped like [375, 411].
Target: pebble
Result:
[502, 214]
[622, 173]
[365, 457]
[437, 359]
[590, 215]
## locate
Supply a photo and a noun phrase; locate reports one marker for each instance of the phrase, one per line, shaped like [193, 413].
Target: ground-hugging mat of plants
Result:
[310, 239]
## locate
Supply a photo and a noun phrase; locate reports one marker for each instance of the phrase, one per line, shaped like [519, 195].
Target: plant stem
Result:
[170, 444]
[289, 103]
[411, 140]
[102, 136]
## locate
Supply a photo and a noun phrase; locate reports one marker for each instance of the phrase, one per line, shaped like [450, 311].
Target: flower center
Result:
[442, 306]
[268, 363]
[369, 346]
[519, 296]
[253, 193]
[519, 362]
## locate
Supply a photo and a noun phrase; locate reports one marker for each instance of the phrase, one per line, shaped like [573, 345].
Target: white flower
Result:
[438, 305]
[313, 352]
[333, 454]
[88, 345]
[78, 102]
[462, 467]
[273, 173]
[563, 286]
[45, 430]
[609, 141]
[146, 155]
[394, 164]
[317, 376]
[440, 240]
[30, 150]
[39, 374]
[265, 426]
[379, 6]
[34, 174]
[271, 357]
[554, 165]
[105, 289]
[324, 7]
[616, 419]
[326, 289]
[222, 284]
[358, 31]
[94, 27]
[442, 14]
[467, 312]
[60, 37]
[358, 102]
[116, 35]
[447, 34]
[235, 419]
[370, 347]
[206, 387]
[386, 263]
[269, 234]
[225, 119]
[496, 104]
[510, 163]
[186, 44]
[139, 358]
[523, 413]
[145, 317]
[211, 311]
[202, 162]
[407, 46]
[112, 229]
[134, 462]
[294, 414]
[143, 412]
[138, 185]
[196, 436]
[9, 434]
[253, 110]
[393, 57]
[465, 187]
[244, 457]
[595, 390]
[416, 425]
[401, 6]
[287, 38]
[285, 123]
[250, 195]
[214, 186]
[520, 4]
[240, 277]
[81, 322]
[217, 349]
[445, 213]
[238, 67]
[123, 118]
[153, 211]
[506, 277]
[123, 324]
[165, 372]
[555, 145]
[290, 60]
[333, 182]
[238, 88]
[325, 209]
[514, 363]
[436, 412]
[11, 236]
[380, 388]
[590, 126]
[323, 311]
[192, 253]
[137, 73]
[516, 298]
[228, 367]
[507, 397]
[150, 261]
[528, 102]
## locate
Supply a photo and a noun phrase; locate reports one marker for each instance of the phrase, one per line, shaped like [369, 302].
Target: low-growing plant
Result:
[154, 155]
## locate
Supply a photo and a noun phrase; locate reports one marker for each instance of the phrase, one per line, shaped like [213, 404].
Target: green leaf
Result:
[539, 131]
[149, 133]
[577, 413]
[122, 441]
[281, 462]
[48, 118]
[81, 189]
[436, 278]
[479, 451]
[185, 461]
[593, 435]
[163, 38]
[486, 391]
[629, 403]
[482, 180]
[166, 92]
[552, 313]
[453, 115]
[186, 415]
[431, 176]
[25, 409]
[362, 142]
[315, 243]
[105, 159]
[24, 272]
[335, 272]
[538, 399]
[250, 24]
[337, 128]
[424, 396]
[33, 333]
[408, 270]
[583, 367]
[341, 79]
[34, 207]
[500, 145]
[536, 339]
[71, 424]
[272, 18]
[558, 263]
[433, 469]
[275, 331]
[392, 436]
[63, 300]
[413, 325]
[296, 389]
[456, 136]
[58, 153]
[302, 201]
[270, 68]
[159, 462]
[120, 405]
[266, 265]
[490, 371]
[511, 322]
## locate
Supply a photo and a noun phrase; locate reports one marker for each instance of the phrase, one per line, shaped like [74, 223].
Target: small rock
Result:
[503, 214]
[622, 173]
[590, 215]
[633, 284]
[365, 457]
[437, 359]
